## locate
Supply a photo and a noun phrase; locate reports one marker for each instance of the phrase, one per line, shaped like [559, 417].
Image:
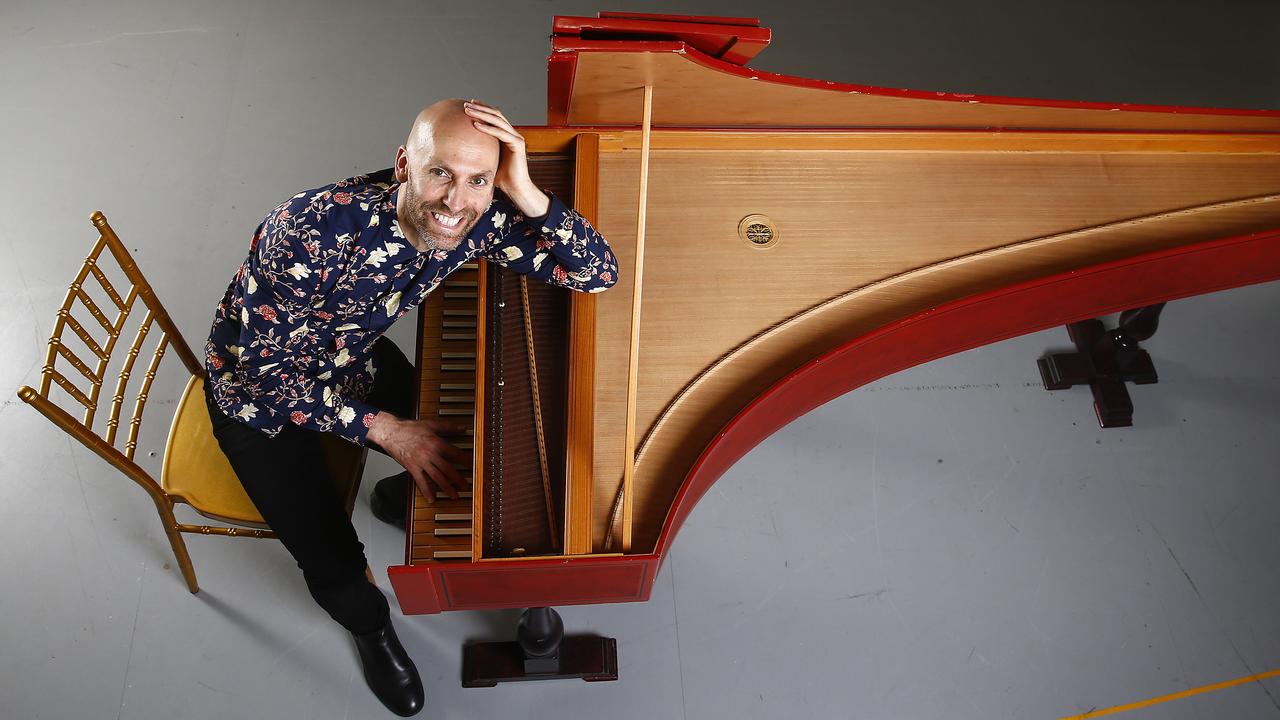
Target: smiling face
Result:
[446, 170]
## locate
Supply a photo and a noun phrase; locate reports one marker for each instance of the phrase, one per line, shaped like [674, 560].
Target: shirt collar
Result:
[391, 198]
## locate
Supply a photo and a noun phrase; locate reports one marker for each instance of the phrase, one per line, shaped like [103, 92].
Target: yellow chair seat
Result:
[196, 472]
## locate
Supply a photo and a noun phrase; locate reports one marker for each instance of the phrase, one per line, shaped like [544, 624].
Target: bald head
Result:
[446, 122]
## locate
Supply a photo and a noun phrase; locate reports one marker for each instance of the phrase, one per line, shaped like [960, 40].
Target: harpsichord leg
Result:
[540, 652]
[1106, 360]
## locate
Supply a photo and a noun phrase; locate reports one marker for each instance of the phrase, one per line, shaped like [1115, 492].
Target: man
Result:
[296, 347]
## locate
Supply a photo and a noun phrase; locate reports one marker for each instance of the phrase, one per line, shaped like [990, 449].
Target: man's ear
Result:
[401, 167]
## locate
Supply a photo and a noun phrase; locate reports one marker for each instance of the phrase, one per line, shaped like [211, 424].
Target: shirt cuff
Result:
[353, 420]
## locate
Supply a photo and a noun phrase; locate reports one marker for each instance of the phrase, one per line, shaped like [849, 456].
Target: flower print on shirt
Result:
[325, 277]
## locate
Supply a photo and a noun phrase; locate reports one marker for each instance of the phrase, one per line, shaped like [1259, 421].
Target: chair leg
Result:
[184, 559]
[177, 543]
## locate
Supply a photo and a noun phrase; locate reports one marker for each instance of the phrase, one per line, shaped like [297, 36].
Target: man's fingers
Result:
[449, 474]
[498, 132]
[454, 476]
[440, 484]
[441, 430]
[424, 487]
[452, 451]
[435, 468]
[480, 107]
[496, 119]
[445, 450]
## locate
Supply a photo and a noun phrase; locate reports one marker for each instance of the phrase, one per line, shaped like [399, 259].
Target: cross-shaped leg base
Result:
[1106, 360]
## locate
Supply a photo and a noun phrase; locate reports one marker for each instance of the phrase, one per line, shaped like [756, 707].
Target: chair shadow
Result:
[253, 625]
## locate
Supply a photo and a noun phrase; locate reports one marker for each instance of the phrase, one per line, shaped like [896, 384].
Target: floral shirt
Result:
[328, 271]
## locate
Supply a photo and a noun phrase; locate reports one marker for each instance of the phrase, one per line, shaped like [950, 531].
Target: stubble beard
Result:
[420, 218]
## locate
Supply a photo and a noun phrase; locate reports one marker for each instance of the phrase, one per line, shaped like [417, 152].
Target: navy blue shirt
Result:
[328, 271]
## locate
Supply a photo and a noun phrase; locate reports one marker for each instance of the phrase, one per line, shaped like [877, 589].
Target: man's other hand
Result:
[513, 165]
[418, 446]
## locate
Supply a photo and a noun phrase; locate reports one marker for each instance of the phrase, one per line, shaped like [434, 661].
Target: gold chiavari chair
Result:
[194, 471]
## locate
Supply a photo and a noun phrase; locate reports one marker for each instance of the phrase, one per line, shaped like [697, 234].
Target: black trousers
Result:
[288, 482]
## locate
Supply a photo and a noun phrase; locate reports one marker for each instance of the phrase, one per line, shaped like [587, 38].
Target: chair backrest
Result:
[104, 441]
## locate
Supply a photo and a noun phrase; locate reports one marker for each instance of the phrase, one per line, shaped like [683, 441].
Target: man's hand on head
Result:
[418, 447]
[513, 164]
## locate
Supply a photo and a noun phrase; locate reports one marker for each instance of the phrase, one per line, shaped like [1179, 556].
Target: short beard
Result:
[419, 218]
[431, 242]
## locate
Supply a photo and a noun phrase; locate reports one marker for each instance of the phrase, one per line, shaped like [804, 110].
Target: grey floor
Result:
[951, 541]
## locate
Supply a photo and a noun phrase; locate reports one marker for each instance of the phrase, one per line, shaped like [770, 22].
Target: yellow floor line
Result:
[1174, 696]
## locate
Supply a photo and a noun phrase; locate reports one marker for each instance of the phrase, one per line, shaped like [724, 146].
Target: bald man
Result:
[296, 347]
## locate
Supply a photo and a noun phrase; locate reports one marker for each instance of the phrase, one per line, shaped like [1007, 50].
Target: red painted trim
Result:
[491, 585]
[743, 51]
[709, 19]
[972, 322]
[569, 43]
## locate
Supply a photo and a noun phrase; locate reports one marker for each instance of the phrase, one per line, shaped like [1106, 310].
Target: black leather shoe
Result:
[389, 500]
[389, 671]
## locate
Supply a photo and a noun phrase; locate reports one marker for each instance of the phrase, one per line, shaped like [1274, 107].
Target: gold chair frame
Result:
[349, 461]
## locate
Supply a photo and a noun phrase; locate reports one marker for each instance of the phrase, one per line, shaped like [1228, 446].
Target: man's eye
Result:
[438, 172]
[479, 182]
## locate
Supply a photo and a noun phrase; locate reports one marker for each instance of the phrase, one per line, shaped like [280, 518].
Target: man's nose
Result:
[453, 197]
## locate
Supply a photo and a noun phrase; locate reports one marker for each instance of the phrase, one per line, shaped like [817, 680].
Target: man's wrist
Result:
[532, 202]
[383, 422]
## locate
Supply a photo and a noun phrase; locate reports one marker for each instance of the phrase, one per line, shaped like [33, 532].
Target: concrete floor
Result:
[951, 541]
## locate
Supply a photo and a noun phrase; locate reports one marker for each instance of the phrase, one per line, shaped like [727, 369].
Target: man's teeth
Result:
[445, 220]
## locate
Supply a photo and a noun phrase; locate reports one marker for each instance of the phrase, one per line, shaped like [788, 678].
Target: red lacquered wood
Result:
[490, 585]
[711, 19]
[415, 588]
[560, 70]
[973, 322]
